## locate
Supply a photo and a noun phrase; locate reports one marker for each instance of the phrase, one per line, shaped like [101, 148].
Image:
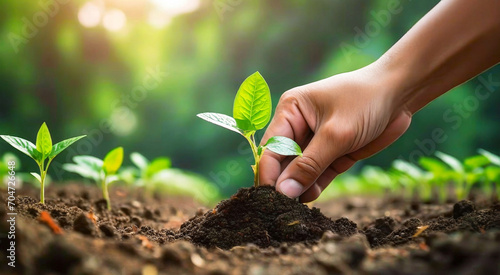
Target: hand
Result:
[336, 121]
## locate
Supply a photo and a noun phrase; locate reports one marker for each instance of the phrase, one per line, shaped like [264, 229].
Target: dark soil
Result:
[263, 217]
[257, 231]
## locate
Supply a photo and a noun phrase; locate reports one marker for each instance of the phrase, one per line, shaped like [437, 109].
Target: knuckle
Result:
[309, 167]
[292, 96]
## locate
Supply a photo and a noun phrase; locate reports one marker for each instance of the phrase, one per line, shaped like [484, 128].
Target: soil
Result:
[257, 231]
[263, 217]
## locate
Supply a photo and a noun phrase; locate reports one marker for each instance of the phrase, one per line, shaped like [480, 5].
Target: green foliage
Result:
[251, 112]
[433, 178]
[113, 161]
[158, 177]
[43, 152]
[100, 171]
[252, 105]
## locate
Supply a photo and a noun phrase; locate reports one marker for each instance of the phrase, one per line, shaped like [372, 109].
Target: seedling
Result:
[101, 171]
[492, 172]
[147, 169]
[43, 152]
[251, 112]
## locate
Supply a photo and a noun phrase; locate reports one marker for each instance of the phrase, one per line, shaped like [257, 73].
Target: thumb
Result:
[303, 171]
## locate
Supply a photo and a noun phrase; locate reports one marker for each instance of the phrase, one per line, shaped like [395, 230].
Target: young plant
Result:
[101, 171]
[43, 152]
[251, 112]
[147, 169]
[492, 172]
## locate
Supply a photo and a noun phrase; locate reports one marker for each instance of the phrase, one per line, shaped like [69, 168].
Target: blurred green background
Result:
[136, 72]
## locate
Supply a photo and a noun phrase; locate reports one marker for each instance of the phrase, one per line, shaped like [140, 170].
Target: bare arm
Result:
[351, 116]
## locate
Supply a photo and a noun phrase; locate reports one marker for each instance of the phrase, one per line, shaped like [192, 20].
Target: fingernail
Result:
[291, 188]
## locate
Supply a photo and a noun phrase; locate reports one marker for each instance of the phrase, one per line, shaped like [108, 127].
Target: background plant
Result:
[252, 110]
[103, 172]
[43, 152]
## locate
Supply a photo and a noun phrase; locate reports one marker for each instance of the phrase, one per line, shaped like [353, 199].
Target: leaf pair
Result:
[42, 151]
[149, 169]
[43, 148]
[94, 168]
[98, 170]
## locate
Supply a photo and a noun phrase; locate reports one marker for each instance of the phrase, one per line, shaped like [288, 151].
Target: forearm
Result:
[455, 41]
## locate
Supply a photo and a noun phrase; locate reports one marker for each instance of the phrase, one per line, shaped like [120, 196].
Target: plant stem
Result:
[251, 140]
[42, 181]
[105, 193]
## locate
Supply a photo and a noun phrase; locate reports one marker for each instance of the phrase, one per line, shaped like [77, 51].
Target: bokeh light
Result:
[114, 20]
[176, 7]
[89, 15]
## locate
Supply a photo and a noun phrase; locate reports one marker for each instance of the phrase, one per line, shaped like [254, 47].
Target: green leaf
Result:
[44, 141]
[37, 176]
[476, 161]
[60, 146]
[139, 160]
[283, 146]
[252, 104]
[409, 169]
[221, 120]
[113, 161]
[495, 159]
[492, 173]
[89, 161]
[432, 165]
[24, 146]
[83, 171]
[453, 162]
[158, 165]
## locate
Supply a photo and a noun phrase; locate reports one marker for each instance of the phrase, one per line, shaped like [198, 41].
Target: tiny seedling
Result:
[251, 112]
[43, 152]
[148, 169]
[101, 171]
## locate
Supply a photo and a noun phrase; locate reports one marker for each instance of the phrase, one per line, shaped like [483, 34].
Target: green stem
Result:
[42, 181]
[251, 140]
[105, 193]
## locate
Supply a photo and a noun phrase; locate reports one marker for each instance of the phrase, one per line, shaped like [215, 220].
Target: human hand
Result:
[336, 121]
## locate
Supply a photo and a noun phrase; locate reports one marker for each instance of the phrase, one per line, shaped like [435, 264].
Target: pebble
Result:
[463, 208]
[84, 225]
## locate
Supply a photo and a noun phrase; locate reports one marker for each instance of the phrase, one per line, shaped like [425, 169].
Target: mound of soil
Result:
[263, 217]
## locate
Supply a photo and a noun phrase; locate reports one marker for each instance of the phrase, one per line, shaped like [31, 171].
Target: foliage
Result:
[100, 171]
[433, 178]
[43, 152]
[158, 177]
[251, 112]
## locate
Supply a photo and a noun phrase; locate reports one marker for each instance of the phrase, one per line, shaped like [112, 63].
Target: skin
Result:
[351, 116]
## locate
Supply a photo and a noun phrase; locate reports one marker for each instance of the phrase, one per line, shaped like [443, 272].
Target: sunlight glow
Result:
[114, 20]
[89, 15]
[158, 19]
[176, 7]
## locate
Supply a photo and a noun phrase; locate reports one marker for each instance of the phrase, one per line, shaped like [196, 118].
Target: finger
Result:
[322, 182]
[303, 171]
[288, 122]
[393, 131]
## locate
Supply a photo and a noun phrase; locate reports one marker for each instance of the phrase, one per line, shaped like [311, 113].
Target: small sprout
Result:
[251, 112]
[101, 171]
[294, 223]
[43, 152]
[148, 169]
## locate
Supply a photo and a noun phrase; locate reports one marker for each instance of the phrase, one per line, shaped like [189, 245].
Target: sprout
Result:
[251, 112]
[43, 152]
[101, 171]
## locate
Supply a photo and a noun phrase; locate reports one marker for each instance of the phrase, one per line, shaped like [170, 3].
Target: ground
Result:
[257, 231]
